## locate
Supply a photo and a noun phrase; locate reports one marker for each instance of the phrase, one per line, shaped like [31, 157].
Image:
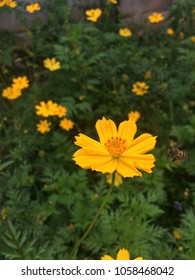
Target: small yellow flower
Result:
[61, 111]
[134, 115]
[123, 254]
[43, 126]
[117, 149]
[170, 31]
[33, 7]
[46, 109]
[51, 64]
[176, 233]
[193, 39]
[118, 179]
[9, 3]
[66, 124]
[93, 14]
[125, 32]
[113, 1]
[11, 93]
[21, 82]
[155, 17]
[148, 75]
[140, 88]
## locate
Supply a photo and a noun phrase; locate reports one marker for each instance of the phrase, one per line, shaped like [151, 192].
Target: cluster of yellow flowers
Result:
[15, 90]
[50, 108]
[10, 3]
[33, 7]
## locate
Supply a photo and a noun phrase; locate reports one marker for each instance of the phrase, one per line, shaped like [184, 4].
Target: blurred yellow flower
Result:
[61, 111]
[43, 126]
[118, 179]
[66, 124]
[93, 14]
[177, 234]
[140, 88]
[155, 17]
[51, 64]
[117, 149]
[21, 82]
[123, 254]
[125, 32]
[46, 109]
[134, 115]
[9, 3]
[193, 39]
[113, 1]
[170, 31]
[11, 93]
[148, 75]
[33, 7]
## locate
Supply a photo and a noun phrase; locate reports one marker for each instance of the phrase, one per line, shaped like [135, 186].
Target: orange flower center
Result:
[116, 146]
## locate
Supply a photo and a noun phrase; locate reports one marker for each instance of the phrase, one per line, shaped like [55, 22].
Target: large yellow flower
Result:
[117, 149]
[123, 254]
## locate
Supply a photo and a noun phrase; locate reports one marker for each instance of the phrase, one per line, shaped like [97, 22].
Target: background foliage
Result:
[46, 201]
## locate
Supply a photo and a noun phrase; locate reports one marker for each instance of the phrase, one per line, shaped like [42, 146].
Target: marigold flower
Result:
[134, 115]
[170, 31]
[21, 82]
[11, 93]
[33, 7]
[113, 1]
[123, 254]
[140, 88]
[117, 149]
[118, 179]
[125, 32]
[43, 126]
[66, 124]
[61, 111]
[46, 109]
[93, 14]
[51, 64]
[155, 17]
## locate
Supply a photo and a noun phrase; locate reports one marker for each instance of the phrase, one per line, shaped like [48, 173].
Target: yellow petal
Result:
[123, 254]
[105, 129]
[127, 130]
[85, 141]
[106, 258]
[141, 145]
[126, 168]
[138, 259]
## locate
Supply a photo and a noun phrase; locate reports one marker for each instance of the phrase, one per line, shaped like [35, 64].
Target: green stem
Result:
[94, 219]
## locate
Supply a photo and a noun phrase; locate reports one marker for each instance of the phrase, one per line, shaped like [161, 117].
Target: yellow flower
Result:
[9, 3]
[123, 254]
[21, 82]
[118, 179]
[93, 14]
[176, 233]
[125, 32]
[61, 111]
[43, 126]
[33, 7]
[140, 88]
[66, 124]
[193, 39]
[148, 75]
[52, 64]
[11, 93]
[46, 109]
[134, 115]
[170, 31]
[117, 149]
[2, 3]
[113, 1]
[155, 17]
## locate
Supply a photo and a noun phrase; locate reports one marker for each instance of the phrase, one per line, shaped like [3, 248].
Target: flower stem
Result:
[93, 222]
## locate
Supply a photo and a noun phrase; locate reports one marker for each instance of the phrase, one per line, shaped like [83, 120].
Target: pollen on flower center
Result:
[116, 146]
